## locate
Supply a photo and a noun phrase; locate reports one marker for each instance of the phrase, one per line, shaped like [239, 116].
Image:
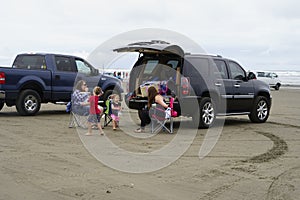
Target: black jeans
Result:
[144, 117]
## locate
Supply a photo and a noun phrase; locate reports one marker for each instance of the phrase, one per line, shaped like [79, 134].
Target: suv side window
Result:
[63, 64]
[195, 66]
[236, 71]
[222, 70]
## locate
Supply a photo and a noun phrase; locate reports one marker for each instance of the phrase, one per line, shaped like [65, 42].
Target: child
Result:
[115, 110]
[94, 117]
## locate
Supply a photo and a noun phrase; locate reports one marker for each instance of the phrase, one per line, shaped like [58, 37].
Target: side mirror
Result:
[251, 76]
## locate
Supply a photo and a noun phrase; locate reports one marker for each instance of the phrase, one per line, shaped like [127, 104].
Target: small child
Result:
[95, 111]
[115, 110]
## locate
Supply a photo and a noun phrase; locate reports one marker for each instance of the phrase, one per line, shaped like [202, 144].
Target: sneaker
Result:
[139, 130]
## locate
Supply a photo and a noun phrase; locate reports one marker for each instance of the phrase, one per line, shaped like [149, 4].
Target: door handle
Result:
[57, 77]
[237, 85]
[218, 84]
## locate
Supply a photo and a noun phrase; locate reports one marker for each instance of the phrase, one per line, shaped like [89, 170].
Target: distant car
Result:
[270, 78]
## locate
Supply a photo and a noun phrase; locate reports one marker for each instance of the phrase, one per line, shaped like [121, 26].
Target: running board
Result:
[229, 114]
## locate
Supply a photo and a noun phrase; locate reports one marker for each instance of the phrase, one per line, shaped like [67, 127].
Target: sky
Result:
[259, 34]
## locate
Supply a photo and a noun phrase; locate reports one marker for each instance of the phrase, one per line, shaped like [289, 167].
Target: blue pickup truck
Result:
[42, 78]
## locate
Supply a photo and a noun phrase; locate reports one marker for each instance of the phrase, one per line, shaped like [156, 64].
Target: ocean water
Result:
[288, 78]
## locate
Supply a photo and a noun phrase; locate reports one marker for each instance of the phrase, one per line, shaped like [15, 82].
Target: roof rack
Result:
[202, 54]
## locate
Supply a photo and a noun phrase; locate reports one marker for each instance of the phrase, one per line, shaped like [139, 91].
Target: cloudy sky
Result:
[258, 33]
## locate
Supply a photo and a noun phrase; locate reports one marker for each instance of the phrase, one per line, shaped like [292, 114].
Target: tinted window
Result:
[63, 64]
[221, 69]
[236, 71]
[150, 65]
[196, 69]
[194, 66]
[30, 62]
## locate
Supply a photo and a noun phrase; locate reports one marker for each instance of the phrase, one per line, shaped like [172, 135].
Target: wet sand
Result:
[41, 158]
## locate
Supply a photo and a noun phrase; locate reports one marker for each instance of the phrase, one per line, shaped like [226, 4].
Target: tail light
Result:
[185, 86]
[2, 78]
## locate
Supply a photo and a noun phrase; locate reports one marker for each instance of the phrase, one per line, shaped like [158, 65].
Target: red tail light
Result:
[185, 86]
[2, 78]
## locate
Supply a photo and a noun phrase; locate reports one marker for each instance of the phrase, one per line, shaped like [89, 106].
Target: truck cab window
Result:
[63, 64]
[83, 67]
[30, 62]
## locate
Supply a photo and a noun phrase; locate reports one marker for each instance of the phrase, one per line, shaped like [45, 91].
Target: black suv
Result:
[204, 86]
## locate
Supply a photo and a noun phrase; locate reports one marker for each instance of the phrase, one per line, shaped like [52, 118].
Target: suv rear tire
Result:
[260, 111]
[207, 115]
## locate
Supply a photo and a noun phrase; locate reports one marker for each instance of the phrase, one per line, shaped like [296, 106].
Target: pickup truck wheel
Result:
[1, 105]
[260, 111]
[207, 113]
[28, 103]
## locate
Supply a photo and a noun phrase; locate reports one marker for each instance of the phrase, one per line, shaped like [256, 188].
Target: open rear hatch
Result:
[154, 46]
[152, 49]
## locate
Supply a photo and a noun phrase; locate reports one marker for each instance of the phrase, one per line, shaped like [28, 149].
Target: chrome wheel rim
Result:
[262, 110]
[208, 113]
[30, 103]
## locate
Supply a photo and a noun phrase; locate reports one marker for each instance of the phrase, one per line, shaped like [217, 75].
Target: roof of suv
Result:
[159, 46]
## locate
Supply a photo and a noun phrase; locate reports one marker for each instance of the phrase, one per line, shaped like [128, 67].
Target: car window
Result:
[236, 71]
[83, 67]
[221, 69]
[30, 62]
[63, 64]
[194, 66]
[274, 75]
[150, 65]
[260, 74]
[173, 63]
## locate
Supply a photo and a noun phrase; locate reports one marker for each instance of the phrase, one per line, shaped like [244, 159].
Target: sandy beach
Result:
[41, 158]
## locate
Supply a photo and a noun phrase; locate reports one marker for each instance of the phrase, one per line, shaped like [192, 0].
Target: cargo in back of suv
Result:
[204, 86]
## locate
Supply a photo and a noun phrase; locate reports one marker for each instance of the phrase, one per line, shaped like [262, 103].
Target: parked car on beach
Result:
[270, 78]
[41, 78]
[204, 86]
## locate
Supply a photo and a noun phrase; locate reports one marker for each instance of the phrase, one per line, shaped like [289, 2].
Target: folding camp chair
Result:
[159, 118]
[107, 112]
[77, 119]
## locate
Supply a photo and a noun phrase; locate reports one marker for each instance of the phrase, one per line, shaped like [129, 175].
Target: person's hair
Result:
[97, 90]
[79, 85]
[152, 92]
[115, 95]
